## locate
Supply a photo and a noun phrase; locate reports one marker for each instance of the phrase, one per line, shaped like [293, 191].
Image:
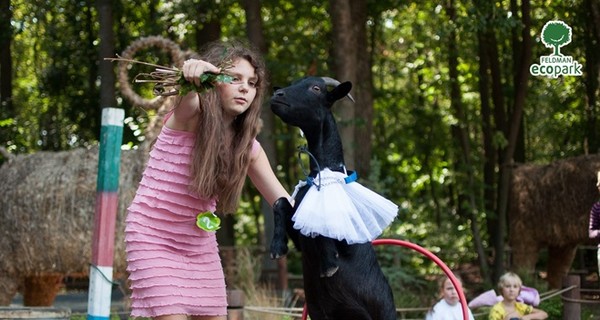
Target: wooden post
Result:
[107, 187]
[235, 304]
[34, 313]
[571, 310]
[282, 273]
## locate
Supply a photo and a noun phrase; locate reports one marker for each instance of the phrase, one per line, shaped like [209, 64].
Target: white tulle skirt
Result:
[342, 211]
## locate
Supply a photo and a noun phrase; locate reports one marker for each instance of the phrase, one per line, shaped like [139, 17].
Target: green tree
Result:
[556, 34]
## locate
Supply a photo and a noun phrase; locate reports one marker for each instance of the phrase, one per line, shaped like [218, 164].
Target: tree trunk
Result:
[488, 87]
[107, 50]
[208, 31]
[513, 131]
[591, 12]
[516, 54]
[489, 151]
[344, 47]
[5, 57]
[499, 114]
[363, 89]
[461, 134]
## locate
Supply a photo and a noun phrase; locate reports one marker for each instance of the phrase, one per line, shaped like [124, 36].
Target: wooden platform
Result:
[46, 313]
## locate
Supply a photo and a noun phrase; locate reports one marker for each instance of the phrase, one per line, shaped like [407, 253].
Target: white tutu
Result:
[342, 211]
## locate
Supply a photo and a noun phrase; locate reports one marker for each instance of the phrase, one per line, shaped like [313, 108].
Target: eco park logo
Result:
[556, 34]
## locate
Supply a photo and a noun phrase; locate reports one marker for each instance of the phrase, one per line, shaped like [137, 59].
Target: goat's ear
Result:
[339, 92]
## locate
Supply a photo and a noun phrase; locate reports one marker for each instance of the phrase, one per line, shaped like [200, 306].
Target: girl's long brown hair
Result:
[220, 164]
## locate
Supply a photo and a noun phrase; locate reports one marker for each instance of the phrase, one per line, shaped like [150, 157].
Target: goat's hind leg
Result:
[329, 255]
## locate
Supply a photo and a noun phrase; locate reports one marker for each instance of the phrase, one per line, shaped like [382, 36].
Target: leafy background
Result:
[415, 158]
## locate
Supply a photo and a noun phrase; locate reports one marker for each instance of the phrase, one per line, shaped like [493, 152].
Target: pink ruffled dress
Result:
[174, 267]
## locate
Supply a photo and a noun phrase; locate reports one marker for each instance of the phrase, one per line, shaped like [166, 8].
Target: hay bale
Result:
[47, 207]
[549, 208]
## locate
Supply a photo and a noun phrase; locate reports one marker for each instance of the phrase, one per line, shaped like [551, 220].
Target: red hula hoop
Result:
[429, 255]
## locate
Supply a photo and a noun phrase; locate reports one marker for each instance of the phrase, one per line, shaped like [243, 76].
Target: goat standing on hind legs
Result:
[334, 218]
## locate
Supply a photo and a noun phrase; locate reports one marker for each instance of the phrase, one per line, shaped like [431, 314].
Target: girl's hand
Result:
[193, 68]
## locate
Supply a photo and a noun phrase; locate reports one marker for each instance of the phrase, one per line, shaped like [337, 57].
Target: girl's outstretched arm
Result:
[264, 178]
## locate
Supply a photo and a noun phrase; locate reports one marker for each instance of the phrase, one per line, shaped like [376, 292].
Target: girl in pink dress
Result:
[199, 163]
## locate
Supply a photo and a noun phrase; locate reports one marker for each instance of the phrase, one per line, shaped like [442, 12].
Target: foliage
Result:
[414, 159]
[53, 74]
[553, 307]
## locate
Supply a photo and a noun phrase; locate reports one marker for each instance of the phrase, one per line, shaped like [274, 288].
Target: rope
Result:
[586, 301]
[304, 149]
[104, 276]
[544, 294]
[555, 292]
[297, 312]
[580, 300]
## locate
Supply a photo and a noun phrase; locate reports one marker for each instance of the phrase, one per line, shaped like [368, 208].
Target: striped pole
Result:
[109, 159]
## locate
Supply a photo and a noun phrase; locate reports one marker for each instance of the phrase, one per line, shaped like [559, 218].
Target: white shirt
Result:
[443, 311]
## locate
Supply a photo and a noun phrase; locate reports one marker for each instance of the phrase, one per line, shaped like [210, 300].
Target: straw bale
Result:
[47, 207]
[549, 208]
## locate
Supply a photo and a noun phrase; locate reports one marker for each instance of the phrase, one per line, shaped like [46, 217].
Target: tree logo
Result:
[556, 34]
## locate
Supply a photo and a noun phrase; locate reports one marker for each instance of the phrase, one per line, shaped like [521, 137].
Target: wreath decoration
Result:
[125, 87]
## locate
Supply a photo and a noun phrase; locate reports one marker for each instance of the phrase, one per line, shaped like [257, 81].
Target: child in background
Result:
[509, 308]
[448, 307]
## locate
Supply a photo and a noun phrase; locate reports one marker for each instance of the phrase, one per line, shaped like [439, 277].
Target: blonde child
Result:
[448, 307]
[509, 308]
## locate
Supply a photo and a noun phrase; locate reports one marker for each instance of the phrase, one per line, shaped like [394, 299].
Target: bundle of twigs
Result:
[169, 81]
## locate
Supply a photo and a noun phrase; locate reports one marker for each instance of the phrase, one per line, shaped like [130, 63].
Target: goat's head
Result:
[308, 101]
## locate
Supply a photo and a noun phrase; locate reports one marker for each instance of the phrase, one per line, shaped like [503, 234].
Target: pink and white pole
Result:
[107, 187]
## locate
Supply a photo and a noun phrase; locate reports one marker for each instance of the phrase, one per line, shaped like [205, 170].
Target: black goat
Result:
[342, 279]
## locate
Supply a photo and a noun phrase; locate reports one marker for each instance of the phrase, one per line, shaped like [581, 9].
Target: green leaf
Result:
[225, 78]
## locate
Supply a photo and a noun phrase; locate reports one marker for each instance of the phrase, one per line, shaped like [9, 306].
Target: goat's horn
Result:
[332, 82]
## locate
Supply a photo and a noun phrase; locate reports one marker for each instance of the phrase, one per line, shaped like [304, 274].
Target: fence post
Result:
[235, 304]
[107, 187]
[571, 310]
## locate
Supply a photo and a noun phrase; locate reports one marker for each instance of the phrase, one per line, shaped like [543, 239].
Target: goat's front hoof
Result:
[329, 272]
[276, 255]
[278, 250]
